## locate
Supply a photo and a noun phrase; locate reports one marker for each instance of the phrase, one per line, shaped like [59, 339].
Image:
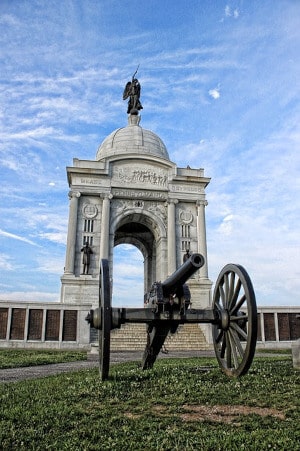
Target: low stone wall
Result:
[63, 326]
[44, 325]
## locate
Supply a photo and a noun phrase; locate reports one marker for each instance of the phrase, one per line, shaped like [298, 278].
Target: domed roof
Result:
[132, 139]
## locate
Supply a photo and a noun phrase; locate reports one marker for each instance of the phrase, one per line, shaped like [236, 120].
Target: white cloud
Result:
[6, 262]
[214, 93]
[17, 237]
[51, 265]
[29, 296]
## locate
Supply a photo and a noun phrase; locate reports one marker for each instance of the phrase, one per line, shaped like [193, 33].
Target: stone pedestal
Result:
[80, 290]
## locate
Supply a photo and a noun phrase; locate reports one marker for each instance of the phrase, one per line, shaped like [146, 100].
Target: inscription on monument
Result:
[17, 324]
[186, 189]
[3, 322]
[269, 327]
[92, 181]
[138, 194]
[35, 324]
[70, 325]
[52, 325]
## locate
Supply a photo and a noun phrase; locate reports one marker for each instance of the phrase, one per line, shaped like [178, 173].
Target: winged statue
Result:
[132, 91]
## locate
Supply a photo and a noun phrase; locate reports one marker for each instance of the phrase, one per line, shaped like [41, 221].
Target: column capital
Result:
[108, 196]
[172, 201]
[74, 194]
[201, 202]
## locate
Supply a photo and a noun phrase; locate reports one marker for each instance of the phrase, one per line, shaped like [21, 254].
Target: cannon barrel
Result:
[182, 274]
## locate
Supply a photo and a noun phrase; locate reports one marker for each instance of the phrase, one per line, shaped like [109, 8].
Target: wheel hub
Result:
[225, 320]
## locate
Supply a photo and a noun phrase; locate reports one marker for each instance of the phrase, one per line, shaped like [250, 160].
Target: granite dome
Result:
[132, 139]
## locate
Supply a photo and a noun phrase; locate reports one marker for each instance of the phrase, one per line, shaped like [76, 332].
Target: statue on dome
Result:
[133, 91]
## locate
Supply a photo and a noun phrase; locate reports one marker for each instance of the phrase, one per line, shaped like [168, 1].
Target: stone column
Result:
[172, 266]
[201, 231]
[72, 228]
[104, 237]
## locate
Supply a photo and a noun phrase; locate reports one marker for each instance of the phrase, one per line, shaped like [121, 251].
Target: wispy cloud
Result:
[16, 237]
[61, 95]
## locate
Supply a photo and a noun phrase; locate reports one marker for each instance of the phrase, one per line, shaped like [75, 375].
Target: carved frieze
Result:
[140, 175]
[156, 208]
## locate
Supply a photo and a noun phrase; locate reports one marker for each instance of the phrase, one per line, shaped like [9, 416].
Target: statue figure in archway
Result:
[186, 255]
[86, 258]
[133, 91]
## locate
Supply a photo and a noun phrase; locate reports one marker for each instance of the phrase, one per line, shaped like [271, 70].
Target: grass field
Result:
[181, 404]
[16, 358]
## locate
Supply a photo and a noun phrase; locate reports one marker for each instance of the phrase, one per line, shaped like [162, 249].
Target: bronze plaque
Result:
[294, 325]
[52, 325]
[17, 324]
[258, 328]
[283, 326]
[269, 327]
[70, 325]
[35, 324]
[3, 322]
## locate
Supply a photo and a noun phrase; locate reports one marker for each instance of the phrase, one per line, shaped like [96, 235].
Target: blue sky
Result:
[220, 86]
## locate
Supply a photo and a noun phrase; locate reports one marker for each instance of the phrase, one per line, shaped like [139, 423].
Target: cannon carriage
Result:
[233, 315]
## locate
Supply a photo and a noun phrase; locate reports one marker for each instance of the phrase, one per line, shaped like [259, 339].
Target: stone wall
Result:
[63, 326]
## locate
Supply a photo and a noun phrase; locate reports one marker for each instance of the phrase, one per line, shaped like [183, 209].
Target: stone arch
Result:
[148, 233]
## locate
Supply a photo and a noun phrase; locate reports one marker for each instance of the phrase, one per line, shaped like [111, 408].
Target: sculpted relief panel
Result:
[142, 175]
[157, 208]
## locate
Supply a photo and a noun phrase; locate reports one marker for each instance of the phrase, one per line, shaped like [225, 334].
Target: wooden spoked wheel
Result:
[235, 331]
[105, 326]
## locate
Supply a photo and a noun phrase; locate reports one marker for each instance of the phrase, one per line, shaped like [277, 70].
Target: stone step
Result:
[133, 337]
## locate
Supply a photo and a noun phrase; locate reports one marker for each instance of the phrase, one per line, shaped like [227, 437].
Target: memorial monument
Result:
[133, 193]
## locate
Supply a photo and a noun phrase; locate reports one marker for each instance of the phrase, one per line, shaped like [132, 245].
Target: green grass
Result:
[16, 358]
[181, 404]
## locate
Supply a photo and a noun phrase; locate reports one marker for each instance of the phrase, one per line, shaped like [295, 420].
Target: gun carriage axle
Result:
[233, 315]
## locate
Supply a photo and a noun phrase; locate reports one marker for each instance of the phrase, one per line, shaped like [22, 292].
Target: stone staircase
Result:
[132, 337]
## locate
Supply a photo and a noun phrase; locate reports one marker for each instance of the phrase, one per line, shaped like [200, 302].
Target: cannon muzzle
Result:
[182, 274]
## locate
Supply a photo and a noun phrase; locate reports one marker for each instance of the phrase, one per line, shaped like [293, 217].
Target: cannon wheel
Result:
[105, 309]
[235, 333]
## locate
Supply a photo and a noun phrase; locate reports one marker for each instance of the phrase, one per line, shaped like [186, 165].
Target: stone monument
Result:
[133, 193]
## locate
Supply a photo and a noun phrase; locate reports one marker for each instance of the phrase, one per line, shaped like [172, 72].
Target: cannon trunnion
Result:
[233, 315]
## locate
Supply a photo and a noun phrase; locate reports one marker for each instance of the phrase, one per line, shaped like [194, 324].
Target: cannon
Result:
[233, 315]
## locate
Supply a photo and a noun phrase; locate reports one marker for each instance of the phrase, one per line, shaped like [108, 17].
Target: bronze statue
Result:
[86, 258]
[133, 91]
[186, 256]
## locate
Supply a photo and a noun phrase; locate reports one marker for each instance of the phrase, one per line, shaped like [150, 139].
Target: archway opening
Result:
[128, 276]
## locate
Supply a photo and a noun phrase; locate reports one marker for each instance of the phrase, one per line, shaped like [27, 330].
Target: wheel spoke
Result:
[239, 304]
[237, 342]
[231, 287]
[238, 318]
[235, 294]
[223, 346]
[226, 284]
[228, 350]
[219, 337]
[240, 331]
[233, 349]
[222, 295]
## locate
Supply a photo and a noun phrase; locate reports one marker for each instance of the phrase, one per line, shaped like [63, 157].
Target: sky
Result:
[220, 86]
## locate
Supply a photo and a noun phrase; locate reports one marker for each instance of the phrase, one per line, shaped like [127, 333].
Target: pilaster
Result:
[104, 237]
[72, 230]
[172, 265]
[201, 231]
